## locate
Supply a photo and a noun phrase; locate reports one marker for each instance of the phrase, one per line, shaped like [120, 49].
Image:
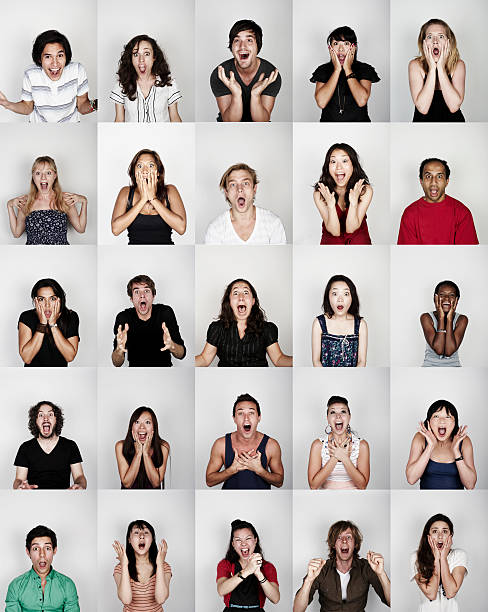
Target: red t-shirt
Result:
[446, 222]
[226, 569]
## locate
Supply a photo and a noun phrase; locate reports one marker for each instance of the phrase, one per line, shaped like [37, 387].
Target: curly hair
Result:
[257, 316]
[33, 191]
[425, 556]
[127, 74]
[334, 532]
[161, 189]
[33, 412]
[453, 57]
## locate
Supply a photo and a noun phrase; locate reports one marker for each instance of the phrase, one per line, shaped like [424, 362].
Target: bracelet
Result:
[459, 458]
[441, 331]
[351, 76]
[263, 580]
[51, 326]
[94, 104]
[240, 575]
[42, 328]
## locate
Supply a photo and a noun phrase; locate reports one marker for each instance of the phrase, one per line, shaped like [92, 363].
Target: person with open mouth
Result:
[148, 209]
[437, 567]
[244, 223]
[437, 75]
[249, 458]
[142, 574]
[245, 579]
[48, 459]
[340, 334]
[340, 460]
[241, 337]
[344, 579]
[42, 587]
[147, 332]
[441, 454]
[246, 86]
[343, 85]
[342, 196]
[44, 212]
[48, 333]
[142, 456]
[145, 91]
[444, 328]
[436, 218]
[54, 89]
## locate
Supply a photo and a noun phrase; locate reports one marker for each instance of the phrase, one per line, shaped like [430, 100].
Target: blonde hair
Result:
[228, 172]
[58, 194]
[452, 58]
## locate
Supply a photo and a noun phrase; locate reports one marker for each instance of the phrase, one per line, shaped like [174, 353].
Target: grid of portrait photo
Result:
[243, 356]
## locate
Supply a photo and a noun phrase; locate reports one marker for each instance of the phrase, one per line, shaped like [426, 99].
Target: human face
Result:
[441, 424]
[245, 49]
[340, 167]
[436, 37]
[341, 48]
[41, 554]
[146, 164]
[241, 301]
[47, 298]
[143, 58]
[244, 543]
[434, 182]
[246, 419]
[142, 298]
[143, 427]
[53, 60]
[140, 540]
[439, 532]
[447, 297]
[338, 418]
[43, 176]
[240, 190]
[344, 545]
[46, 421]
[340, 298]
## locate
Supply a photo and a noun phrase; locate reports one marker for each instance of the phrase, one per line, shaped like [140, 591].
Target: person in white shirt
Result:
[54, 89]
[244, 223]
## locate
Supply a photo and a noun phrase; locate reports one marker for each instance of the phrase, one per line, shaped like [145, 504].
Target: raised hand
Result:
[121, 554]
[341, 452]
[26, 486]
[433, 547]
[152, 185]
[122, 337]
[314, 568]
[168, 343]
[254, 563]
[444, 54]
[54, 312]
[328, 196]
[457, 439]
[355, 192]
[452, 309]
[146, 447]
[376, 562]
[167, 568]
[348, 60]
[429, 56]
[446, 547]
[138, 445]
[251, 461]
[427, 433]
[237, 465]
[261, 84]
[18, 203]
[438, 307]
[40, 311]
[162, 550]
[229, 81]
[334, 59]
[142, 185]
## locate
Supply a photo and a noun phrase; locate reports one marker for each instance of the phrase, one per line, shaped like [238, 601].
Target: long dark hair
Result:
[127, 74]
[425, 556]
[357, 171]
[231, 554]
[450, 409]
[257, 316]
[354, 308]
[64, 312]
[128, 448]
[131, 555]
[131, 171]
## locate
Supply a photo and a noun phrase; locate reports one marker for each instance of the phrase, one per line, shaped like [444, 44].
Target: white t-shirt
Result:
[54, 101]
[268, 229]
[455, 558]
[151, 109]
[344, 582]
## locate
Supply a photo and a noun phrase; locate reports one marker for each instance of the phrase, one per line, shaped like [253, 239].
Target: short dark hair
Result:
[33, 411]
[246, 24]
[450, 284]
[450, 410]
[434, 159]
[142, 279]
[337, 399]
[343, 33]
[246, 397]
[50, 37]
[40, 532]
[334, 532]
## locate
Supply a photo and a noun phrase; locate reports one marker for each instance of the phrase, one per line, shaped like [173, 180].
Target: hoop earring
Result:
[348, 429]
[328, 430]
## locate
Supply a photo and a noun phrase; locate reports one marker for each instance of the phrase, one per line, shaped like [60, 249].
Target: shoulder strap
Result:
[323, 324]
[131, 197]
[357, 323]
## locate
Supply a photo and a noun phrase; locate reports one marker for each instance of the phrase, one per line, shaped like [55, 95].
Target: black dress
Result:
[342, 106]
[438, 111]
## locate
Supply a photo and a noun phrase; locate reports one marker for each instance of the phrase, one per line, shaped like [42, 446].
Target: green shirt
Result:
[25, 594]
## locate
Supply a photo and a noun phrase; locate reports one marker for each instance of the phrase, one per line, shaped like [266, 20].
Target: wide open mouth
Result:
[243, 55]
[242, 309]
[245, 552]
[142, 436]
[54, 73]
[344, 550]
[241, 201]
[433, 193]
[44, 185]
[442, 431]
[46, 428]
[143, 305]
[436, 51]
[339, 426]
[340, 176]
[247, 427]
[142, 545]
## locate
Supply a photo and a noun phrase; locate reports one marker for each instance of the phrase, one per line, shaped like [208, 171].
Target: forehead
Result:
[53, 49]
[143, 45]
[434, 168]
[439, 525]
[137, 528]
[246, 406]
[45, 408]
[338, 40]
[240, 287]
[41, 541]
[45, 292]
[338, 406]
[139, 287]
[239, 175]
[42, 167]
[339, 286]
[245, 532]
[435, 29]
[346, 532]
[245, 34]
[441, 412]
[144, 416]
[447, 289]
[146, 158]
[338, 153]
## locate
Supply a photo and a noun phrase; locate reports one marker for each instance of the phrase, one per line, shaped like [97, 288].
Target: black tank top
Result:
[148, 229]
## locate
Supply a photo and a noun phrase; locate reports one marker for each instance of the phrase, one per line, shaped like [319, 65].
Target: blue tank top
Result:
[339, 351]
[441, 475]
[245, 479]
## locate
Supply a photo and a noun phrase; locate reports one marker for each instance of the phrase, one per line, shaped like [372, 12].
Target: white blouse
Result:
[151, 109]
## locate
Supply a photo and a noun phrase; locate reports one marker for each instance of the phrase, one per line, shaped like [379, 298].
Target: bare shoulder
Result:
[273, 445]
[124, 192]
[414, 66]
[363, 325]
[425, 318]
[363, 445]
[316, 445]
[171, 190]
[165, 447]
[118, 445]
[462, 319]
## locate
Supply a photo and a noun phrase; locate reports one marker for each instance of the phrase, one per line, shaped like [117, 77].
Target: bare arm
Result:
[326, 205]
[175, 215]
[121, 217]
[273, 475]
[421, 86]
[128, 473]
[21, 482]
[122, 579]
[77, 219]
[360, 474]
[262, 104]
[230, 105]
[451, 582]
[465, 466]
[317, 475]
[363, 344]
[17, 222]
[325, 91]
[163, 574]
[29, 345]
[420, 454]
[360, 197]
[214, 474]
[452, 88]
[23, 107]
[154, 474]
[79, 480]
[278, 358]
[316, 343]
[83, 105]
[174, 115]
[360, 90]
[205, 358]
[68, 347]
[429, 589]
[300, 603]
[119, 113]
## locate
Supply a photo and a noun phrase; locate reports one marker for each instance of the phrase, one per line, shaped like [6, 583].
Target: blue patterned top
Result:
[339, 351]
[46, 227]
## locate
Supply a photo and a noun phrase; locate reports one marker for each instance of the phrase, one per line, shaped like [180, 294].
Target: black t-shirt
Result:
[342, 98]
[145, 338]
[219, 89]
[48, 470]
[49, 355]
[249, 351]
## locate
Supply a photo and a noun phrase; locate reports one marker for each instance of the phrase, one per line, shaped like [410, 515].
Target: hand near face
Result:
[438, 307]
[138, 445]
[261, 84]
[254, 563]
[447, 547]
[376, 562]
[251, 461]
[229, 81]
[121, 554]
[152, 184]
[452, 309]
[162, 550]
[142, 186]
[54, 311]
[444, 53]
[168, 343]
[26, 486]
[429, 56]
[348, 60]
[122, 337]
[427, 433]
[314, 568]
[146, 447]
[334, 59]
[355, 192]
[457, 439]
[433, 547]
[40, 311]
[327, 195]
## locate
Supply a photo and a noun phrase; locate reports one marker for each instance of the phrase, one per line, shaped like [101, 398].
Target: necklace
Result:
[341, 109]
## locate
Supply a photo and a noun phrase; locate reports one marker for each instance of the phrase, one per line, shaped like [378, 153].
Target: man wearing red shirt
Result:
[436, 218]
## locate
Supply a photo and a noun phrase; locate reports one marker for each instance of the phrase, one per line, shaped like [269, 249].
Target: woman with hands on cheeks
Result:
[244, 579]
[43, 213]
[341, 459]
[142, 575]
[443, 329]
[437, 568]
[143, 455]
[441, 455]
[48, 333]
[342, 197]
[343, 85]
[149, 209]
[437, 75]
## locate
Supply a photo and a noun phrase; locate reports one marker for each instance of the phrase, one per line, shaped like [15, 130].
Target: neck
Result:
[248, 215]
[248, 441]
[443, 443]
[241, 324]
[142, 559]
[146, 78]
[340, 438]
[144, 317]
[47, 441]
[253, 68]
[343, 566]
[340, 191]
[45, 196]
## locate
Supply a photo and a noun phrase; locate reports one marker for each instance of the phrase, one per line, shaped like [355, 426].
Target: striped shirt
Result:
[148, 109]
[54, 101]
[249, 351]
[142, 595]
